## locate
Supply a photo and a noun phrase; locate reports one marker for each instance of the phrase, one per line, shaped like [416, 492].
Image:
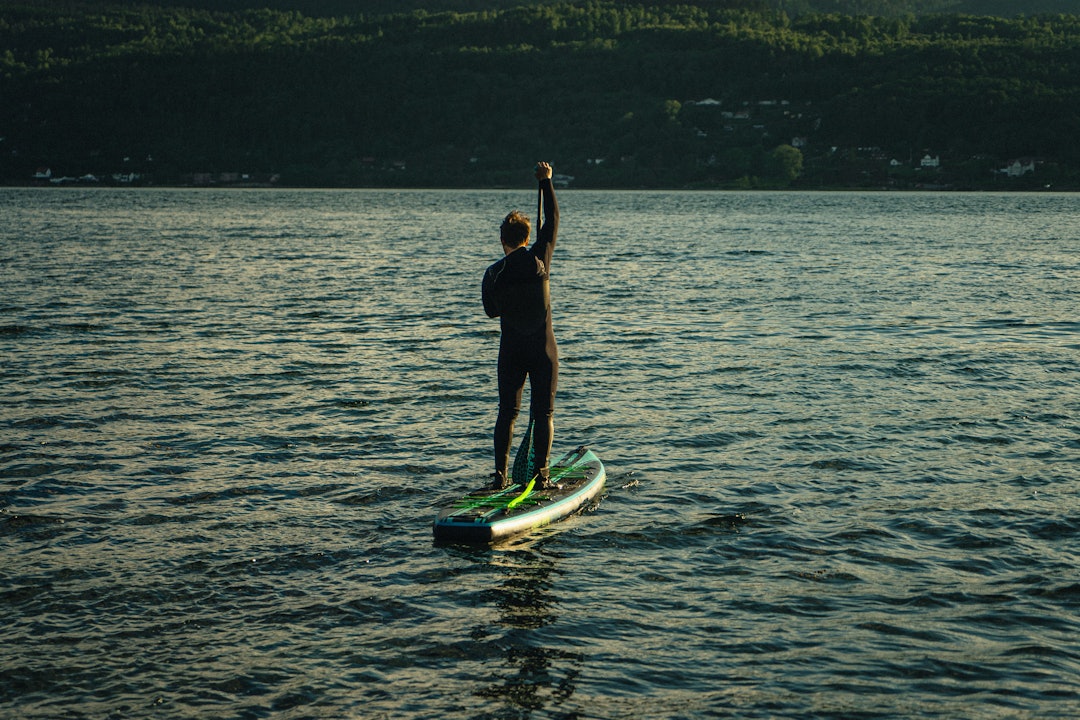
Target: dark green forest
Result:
[706, 94]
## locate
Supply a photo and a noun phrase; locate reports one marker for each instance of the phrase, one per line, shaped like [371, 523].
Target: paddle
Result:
[524, 470]
[539, 206]
[517, 501]
[524, 463]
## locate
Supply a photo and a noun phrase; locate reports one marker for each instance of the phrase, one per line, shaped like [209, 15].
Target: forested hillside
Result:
[884, 8]
[615, 94]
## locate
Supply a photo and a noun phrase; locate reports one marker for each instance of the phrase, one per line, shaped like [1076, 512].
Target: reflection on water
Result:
[529, 676]
[539, 677]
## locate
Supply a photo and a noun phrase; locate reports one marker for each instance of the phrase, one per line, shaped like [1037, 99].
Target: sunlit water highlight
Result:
[842, 433]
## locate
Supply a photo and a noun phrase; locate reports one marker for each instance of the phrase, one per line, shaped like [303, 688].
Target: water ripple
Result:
[839, 429]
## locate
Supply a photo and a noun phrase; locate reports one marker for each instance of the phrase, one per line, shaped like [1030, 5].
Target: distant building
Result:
[43, 173]
[1019, 167]
[930, 162]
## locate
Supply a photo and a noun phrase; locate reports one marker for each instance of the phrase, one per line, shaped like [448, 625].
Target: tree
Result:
[785, 164]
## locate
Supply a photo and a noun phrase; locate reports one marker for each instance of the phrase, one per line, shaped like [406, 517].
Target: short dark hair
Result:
[515, 229]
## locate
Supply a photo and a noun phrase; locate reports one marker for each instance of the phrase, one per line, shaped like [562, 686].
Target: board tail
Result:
[525, 461]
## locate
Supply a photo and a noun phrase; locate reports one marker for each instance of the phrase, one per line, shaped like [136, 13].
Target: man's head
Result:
[515, 229]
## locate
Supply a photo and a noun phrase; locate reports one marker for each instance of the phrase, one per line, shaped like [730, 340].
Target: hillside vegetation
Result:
[884, 8]
[615, 94]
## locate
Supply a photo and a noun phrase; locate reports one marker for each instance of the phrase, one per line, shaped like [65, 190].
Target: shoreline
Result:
[658, 188]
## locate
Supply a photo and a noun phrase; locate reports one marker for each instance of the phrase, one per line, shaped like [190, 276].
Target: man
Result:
[516, 290]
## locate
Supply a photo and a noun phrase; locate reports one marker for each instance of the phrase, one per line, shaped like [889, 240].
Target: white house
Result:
[562, 181]
[930, 162]
[1019, 167]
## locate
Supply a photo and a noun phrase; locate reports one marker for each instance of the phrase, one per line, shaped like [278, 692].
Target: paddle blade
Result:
[524, 463]
[525, 493]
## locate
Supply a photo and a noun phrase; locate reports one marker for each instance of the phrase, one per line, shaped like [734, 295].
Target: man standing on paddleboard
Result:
[516, 290]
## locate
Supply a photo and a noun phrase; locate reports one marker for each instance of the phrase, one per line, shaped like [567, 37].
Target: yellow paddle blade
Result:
[528, 489]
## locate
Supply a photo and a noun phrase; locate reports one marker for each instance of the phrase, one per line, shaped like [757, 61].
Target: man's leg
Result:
[511, 382]
[543, 382]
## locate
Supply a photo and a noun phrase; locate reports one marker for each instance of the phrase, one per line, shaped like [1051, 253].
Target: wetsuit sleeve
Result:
[487, 292]
[545, 239]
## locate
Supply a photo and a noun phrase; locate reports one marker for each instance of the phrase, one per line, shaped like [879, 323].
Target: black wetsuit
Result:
[517, 291]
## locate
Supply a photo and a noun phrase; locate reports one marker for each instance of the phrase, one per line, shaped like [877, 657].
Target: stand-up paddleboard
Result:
[486, 515]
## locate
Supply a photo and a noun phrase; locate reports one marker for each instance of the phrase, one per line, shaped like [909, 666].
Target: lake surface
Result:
[842, 434]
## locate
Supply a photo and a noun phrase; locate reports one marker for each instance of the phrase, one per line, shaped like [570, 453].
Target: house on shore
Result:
[1019, 167]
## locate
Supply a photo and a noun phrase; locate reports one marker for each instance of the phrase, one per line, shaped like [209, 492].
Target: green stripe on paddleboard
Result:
[473, 502]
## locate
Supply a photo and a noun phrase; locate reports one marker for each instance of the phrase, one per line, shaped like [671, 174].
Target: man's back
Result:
[516, 290]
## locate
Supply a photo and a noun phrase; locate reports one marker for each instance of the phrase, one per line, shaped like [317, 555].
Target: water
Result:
[842, 434]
